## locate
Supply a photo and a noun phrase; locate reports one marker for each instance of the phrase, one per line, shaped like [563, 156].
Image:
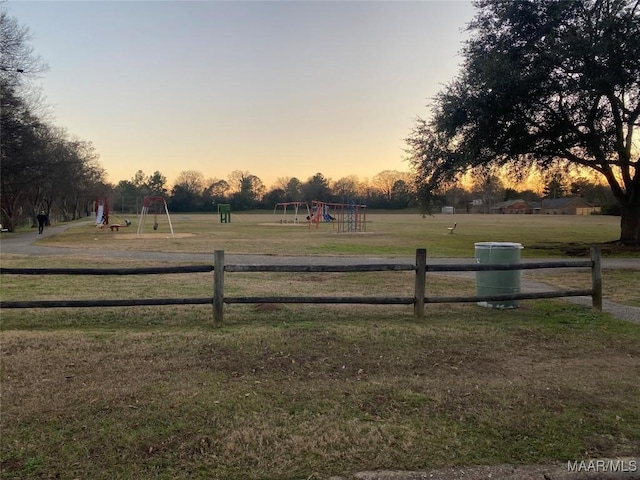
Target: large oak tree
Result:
[542, 82]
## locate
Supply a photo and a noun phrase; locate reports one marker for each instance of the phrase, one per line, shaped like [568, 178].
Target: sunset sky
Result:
[271, 87]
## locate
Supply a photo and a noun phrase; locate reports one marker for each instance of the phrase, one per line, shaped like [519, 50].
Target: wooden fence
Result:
[420, 298]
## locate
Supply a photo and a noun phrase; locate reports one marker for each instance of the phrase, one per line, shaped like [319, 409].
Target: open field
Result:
[387, 234]
[303, 391]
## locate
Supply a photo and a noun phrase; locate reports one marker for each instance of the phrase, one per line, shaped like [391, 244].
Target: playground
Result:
[388, 234]
[344, 217]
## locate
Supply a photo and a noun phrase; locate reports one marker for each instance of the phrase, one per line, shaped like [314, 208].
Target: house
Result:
[555, 206]
[513, 207]
[567, 206]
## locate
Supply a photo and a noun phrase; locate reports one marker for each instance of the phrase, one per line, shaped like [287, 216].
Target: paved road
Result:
[26, 244]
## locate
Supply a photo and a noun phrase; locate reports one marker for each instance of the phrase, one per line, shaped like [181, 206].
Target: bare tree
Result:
[385, 180]
[18, 62]
[192, 181]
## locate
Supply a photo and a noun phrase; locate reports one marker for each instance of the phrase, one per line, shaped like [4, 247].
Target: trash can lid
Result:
[491, 245]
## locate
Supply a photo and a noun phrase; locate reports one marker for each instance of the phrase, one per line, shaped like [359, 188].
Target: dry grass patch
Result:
[397, 234]
[298, 393]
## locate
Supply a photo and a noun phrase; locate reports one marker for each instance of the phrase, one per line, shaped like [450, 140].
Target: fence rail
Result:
[219, 269]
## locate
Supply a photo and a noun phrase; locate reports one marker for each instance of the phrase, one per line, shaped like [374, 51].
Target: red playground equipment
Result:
[345, 217]
[102, 217]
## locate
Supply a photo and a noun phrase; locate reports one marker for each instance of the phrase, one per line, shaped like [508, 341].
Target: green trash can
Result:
[498, 282]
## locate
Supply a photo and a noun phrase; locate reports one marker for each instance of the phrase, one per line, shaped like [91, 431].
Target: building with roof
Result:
[555, 206]
[567, 206]
[513, 207]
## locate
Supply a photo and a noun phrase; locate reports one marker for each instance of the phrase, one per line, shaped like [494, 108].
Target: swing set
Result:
[296, 207]
[153, 205]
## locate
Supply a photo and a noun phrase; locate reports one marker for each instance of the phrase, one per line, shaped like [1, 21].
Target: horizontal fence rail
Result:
[108, 271]
[219, 299]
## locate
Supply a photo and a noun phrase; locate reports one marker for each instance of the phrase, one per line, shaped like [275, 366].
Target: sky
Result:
[274, 88]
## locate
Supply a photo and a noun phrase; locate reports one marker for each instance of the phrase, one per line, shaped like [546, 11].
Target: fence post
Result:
[421, 280]
[596, 278]
[218, 287]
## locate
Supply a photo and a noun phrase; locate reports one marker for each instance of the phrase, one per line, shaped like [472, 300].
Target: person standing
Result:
[42, 221]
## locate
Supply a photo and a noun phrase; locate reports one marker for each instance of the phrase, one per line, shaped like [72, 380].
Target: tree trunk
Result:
[630, 224]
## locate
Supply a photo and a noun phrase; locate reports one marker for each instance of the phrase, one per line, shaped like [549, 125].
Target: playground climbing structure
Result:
[345, 217]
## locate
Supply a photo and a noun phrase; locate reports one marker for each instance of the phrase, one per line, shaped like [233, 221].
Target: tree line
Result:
[192, 192]
[43, 167]
[389, 189]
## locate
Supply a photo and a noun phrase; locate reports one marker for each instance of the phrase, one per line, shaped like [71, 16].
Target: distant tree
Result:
[555, 186]
[316, 188]
[219, 189]
[139, 179]
[191, 180]
[247, 189]
[126, 197]
[184, 200]
[542, 81]
[529, 196]
[215, 193]
[24, 166]
[510, 194]
[345, 189]
[157, 184]
[154, 184]
[281, 183]
[385, 180]
[236, 178]
[42, 166]
[401, 194]
[274, 196]
[592, 192]
[293, 190]
[186, 194]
